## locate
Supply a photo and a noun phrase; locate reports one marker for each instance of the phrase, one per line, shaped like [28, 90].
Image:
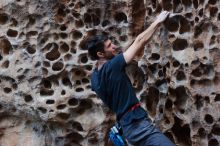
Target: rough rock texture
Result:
[45, 92]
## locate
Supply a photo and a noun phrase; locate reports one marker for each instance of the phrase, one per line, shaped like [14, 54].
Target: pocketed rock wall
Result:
[45, 91]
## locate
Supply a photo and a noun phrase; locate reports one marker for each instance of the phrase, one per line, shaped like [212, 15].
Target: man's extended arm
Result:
[142, 38]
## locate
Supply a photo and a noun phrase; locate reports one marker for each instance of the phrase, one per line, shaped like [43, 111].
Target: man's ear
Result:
[100, 54]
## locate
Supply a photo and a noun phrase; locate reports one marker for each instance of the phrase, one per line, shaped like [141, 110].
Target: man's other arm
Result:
[142, 38]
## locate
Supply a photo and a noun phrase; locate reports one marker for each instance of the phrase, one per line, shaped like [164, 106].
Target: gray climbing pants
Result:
[143, 133]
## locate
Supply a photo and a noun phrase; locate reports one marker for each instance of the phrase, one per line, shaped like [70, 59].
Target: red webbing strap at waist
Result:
[134, 107]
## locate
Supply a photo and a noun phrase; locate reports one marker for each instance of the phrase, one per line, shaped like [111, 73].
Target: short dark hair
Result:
[95, 44]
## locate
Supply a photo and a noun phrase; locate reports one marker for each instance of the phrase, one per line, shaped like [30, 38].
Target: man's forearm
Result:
[140, 41]
[142, 38]
[146, 35]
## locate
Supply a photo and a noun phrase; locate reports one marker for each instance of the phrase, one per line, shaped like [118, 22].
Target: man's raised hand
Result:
[162, 16]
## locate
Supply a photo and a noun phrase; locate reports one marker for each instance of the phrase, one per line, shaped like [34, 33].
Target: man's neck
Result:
[100, 63]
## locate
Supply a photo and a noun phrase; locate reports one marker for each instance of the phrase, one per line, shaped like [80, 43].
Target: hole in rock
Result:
[76, 14]
[32, 33]
[58, 66]
[217, 97]
[42, 110]
[83, 58]
[195, 123]
[85, 104]
[187, 2]
[76, 34]
[79, 89]
[180, 76]
[209, 119]
[64, 116]
[64, 47]
[213, 142]
[63, 27]
[188, 15]
[179, 44]
[15, 86]
[120, 17]
[66, 81]
[168, 104]
[183, 136]
[54, 54]
[7, 90]
[61, 106]
[199, 102]
[12, 33]
[46, 92]
[5, 64]
[212, 41]
[28, 98]
[198, 45]
[184, 25]
[167, 5]
[63, 35]
[216, 129]
[207, 99]
[105, 23]
[79, 23]
[50, 101]
[153, 68]
[85, 80]
[78, 82]
[155, 56]
[3, 18]
[73, 102]
[152, 100]
[203, 69]
[67, 57]
[31, 20]
[31, 49]
[46, 83]
[46, 63]
[87, 18]
[201, 12]
[77, 126]
[197, 19]
[212, 2]
[75, 137]
[176, 63]
[5, 46]
[172, 23]
[181, 96]
[195, 4]
[63, 92]
[202, 132]
[213, 11]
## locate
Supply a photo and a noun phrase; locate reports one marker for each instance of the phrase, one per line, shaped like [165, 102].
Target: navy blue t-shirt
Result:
[113, 86]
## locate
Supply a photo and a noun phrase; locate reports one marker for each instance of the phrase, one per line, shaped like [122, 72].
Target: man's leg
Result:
[144, 133]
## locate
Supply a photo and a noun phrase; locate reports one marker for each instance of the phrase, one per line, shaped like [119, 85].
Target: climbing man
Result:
[113, 86]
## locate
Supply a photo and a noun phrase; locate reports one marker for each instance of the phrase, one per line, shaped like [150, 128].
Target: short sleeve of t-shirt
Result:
[118, 62]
